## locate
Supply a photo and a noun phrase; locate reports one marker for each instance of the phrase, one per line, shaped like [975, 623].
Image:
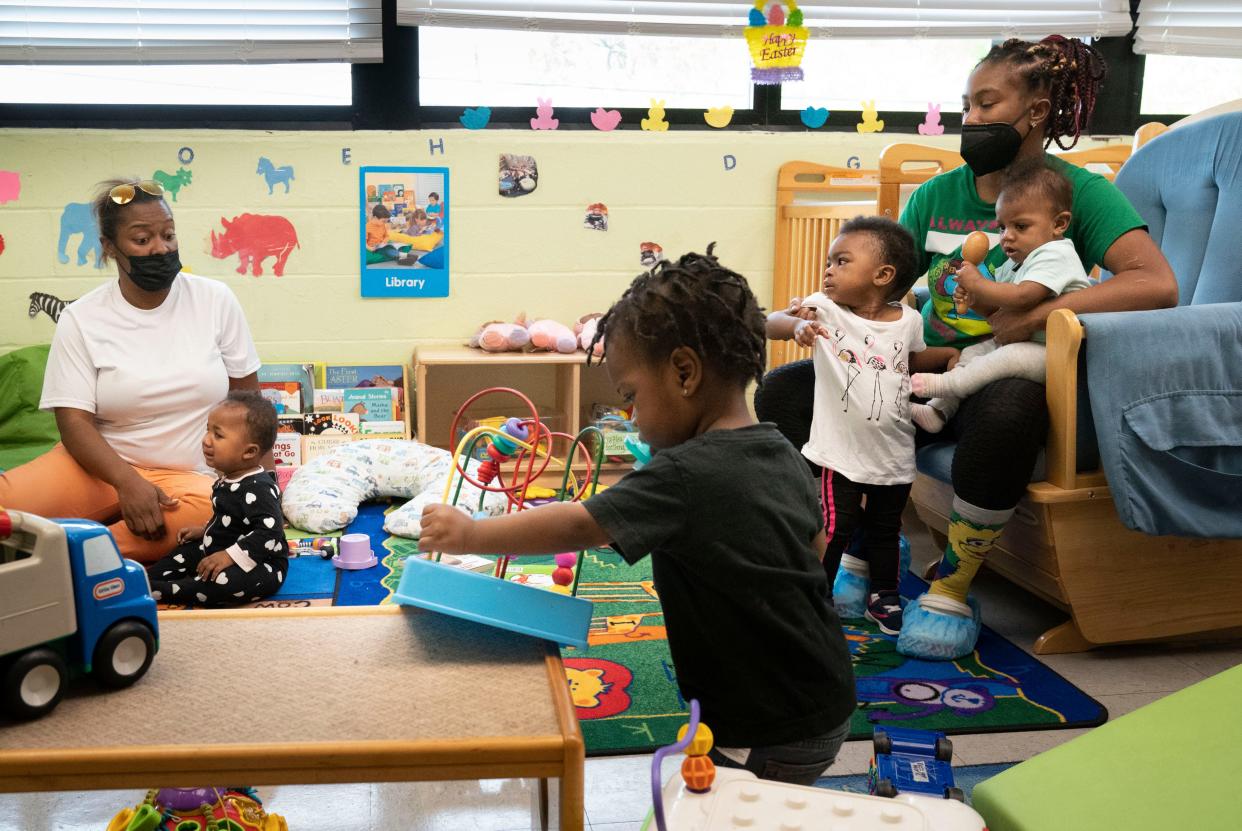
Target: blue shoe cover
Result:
[849, 593]
[937, 636]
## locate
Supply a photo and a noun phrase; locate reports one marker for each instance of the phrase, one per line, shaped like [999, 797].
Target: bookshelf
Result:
[563, 388]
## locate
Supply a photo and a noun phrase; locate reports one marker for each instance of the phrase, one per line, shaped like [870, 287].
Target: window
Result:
[232, 84]
[512, 68]
[899, 75]
[1179, 85]
[99, 555]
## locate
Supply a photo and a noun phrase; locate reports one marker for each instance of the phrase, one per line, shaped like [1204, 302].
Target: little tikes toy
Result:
[703, 797]
[68, 602]
[912, 762]
[198, 809]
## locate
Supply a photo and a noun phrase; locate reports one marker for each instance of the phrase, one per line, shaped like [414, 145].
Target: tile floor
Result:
[617, 795]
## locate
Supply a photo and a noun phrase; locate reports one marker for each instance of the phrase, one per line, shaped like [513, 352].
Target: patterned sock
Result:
[972, 533]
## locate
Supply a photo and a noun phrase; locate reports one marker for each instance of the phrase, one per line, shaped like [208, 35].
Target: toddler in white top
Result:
[1033, 210]
[865, 341]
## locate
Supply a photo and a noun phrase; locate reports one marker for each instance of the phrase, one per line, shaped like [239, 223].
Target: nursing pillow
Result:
[324, 494]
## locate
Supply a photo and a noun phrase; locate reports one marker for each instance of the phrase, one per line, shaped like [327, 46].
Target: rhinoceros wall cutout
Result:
[254, 238]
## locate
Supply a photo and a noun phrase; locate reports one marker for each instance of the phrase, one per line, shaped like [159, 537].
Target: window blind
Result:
[876, 19]
[189, 31]
[1201, 28]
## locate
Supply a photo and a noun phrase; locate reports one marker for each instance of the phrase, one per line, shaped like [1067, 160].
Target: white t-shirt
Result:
[861, 427]
[1054, 265]
[150, 376]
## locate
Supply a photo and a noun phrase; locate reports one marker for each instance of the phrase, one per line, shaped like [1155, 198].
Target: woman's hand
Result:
[807, 331]
[212, 565]
[190, 532]
[1012, 326]
[446, 530]
[142, 507]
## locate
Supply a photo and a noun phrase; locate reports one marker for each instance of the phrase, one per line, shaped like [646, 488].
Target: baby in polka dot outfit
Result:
[241, 555]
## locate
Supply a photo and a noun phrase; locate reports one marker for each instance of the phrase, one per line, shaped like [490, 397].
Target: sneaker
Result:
[884, 610]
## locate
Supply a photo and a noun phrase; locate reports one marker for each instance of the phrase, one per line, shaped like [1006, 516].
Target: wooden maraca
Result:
[974, 251]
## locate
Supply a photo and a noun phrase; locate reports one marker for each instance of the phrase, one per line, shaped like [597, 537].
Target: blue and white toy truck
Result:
[912, 762]
[68, 602]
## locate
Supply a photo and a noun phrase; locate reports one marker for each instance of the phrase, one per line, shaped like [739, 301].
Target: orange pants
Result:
[55, 485]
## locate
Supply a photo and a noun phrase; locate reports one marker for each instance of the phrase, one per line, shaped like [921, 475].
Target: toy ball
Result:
[567, 560]
[702, 741]
[563, 576]
[698, 772]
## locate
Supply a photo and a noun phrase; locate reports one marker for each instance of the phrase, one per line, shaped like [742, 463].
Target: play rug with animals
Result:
[625, 686]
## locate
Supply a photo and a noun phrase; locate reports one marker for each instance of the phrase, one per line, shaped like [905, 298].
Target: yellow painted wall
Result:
[507, 255]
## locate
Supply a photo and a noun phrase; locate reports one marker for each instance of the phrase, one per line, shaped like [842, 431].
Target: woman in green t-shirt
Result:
[1019, 99]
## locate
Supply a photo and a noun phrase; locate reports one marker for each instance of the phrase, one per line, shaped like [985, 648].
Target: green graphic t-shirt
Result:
[945, 209]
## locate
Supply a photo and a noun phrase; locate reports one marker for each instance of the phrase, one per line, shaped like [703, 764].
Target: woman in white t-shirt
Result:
[135, 366]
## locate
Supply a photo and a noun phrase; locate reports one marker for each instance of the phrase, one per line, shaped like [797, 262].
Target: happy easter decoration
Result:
[776, 44]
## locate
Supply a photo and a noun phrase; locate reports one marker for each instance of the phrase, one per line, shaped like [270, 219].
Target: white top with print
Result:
[862, 428]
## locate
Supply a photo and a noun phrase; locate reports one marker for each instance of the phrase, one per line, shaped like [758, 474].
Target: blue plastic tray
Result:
[495, 602]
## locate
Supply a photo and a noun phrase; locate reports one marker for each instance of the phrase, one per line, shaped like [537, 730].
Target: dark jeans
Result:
[880, 523]
[799, 763]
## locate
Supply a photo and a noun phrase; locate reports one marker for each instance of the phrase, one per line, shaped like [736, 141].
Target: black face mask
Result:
[154, 272]
[988, 148]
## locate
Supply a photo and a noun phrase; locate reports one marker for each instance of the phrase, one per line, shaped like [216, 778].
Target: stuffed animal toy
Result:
[497, 336]
[585, 327]
[550, 336]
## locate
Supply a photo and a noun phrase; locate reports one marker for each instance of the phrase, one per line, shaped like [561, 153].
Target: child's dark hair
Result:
[1034, 177]
[108, 213]
[894, 246]
[434, 195]
[380, 212]
[260, 417]
[697, 303]
[1069, 69]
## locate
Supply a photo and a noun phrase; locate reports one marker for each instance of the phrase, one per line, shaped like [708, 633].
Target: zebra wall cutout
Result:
[49, 304]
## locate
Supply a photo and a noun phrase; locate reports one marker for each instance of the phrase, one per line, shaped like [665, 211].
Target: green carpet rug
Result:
[625, 686]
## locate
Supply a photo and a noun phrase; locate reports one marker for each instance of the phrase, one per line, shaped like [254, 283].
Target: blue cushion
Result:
[1187, 185]
[433, 259]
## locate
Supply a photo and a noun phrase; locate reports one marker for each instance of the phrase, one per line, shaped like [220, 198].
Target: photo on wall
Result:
[404, 236]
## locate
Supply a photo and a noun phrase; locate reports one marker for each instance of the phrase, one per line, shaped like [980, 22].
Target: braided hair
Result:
[1069, 69]
[697, 303]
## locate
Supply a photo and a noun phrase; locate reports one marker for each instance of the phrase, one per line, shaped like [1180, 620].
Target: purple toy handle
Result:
[657, 790]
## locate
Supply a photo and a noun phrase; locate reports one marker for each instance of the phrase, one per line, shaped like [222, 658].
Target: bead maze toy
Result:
[704, 798]
[556, 614]
[198, 809]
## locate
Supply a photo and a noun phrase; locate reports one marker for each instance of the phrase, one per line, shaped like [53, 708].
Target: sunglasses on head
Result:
[124, 194]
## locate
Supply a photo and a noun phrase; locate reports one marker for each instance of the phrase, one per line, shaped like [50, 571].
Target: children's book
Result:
[285, 396]
[397, 428]
[354, 376]
[313, 446]
[288, 449]
[344, 423]
[371, 403]
[329, 401]
[301, 374]
[290, 424]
